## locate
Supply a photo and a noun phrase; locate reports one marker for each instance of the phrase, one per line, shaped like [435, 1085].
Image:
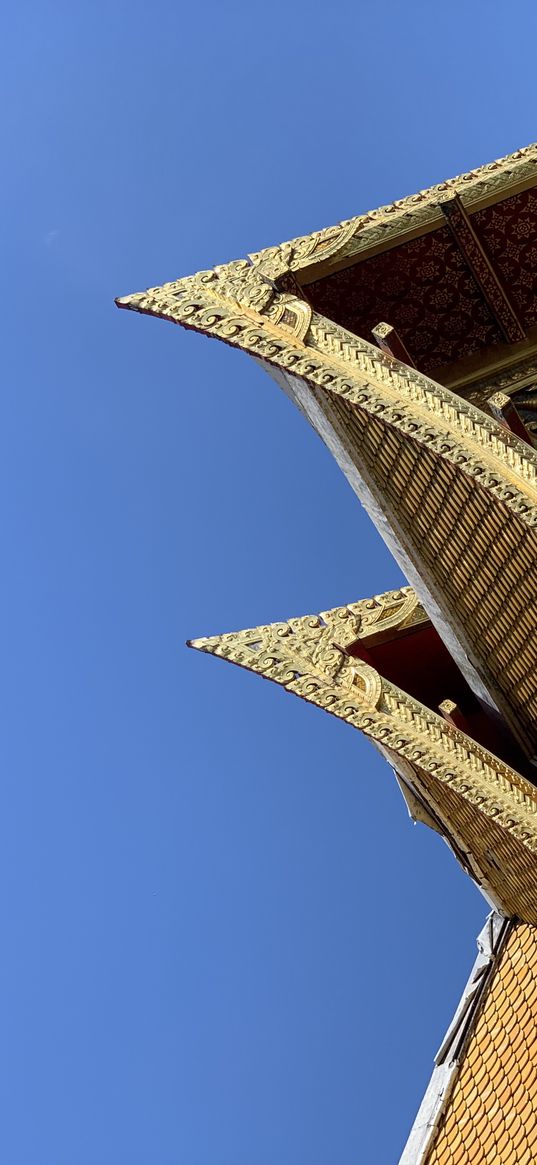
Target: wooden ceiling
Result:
[452, 293]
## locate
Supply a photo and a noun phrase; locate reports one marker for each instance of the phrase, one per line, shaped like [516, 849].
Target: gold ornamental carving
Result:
[349, 239]
[238, 304]
[307, 656]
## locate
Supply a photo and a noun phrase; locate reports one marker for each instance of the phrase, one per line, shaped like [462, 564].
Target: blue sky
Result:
[224, 943]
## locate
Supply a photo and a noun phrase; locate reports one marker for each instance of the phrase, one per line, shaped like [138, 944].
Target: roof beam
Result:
[389, 340]
[490, 285]
[505, 411]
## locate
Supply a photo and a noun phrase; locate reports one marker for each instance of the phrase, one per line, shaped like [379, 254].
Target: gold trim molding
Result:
[357, 388]
[308, 656]
[353, 238]
[242, 306]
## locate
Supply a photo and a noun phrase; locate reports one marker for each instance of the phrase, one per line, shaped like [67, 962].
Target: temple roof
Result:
[441, 675]
[453, 492]
[451, 268]
[333, 247]
[481, 1104]
[485, 809]
[451, 489]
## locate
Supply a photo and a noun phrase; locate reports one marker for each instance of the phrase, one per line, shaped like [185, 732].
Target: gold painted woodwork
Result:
[492, 288]
[466, 490]
[238, 304]
[416, 437]
[491, 1115]
[509, 378]
[293, 264]
[480, 559]
[389, 340]
[308, 655]
[486, 810]
[504, 367]
[313, 255]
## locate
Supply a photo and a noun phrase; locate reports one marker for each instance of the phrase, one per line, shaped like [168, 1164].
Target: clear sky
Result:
[223, 941]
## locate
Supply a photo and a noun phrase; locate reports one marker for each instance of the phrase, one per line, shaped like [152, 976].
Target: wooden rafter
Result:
[483, 270]
[389, 340]
[504, 409]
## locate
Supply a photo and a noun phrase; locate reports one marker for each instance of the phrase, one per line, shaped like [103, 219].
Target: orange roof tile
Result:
[494, 1099]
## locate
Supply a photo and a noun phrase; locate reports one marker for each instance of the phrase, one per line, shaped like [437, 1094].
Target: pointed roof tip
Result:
[204, 644]
[335, 628]
[127, 301]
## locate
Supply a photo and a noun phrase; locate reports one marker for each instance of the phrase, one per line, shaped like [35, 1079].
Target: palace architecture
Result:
[408, 338]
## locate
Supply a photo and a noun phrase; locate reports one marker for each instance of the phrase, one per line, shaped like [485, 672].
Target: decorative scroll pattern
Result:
[307, 657]
[347, 239]
[310, 651]
[244, 306]
[238, 305]
[392, 611]
[245, 295]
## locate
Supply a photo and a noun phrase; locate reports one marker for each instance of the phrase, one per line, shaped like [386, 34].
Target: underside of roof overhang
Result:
[451, 268]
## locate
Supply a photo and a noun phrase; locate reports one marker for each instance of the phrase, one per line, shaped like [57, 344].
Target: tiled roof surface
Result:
[492, 1113]
[498, 856]
[481, 556]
